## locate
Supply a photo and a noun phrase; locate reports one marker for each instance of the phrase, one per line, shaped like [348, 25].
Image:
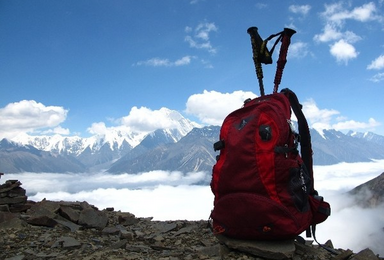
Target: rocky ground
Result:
[78, 230]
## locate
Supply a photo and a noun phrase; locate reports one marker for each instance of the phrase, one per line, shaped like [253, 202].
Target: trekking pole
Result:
[285, 41]
[257, 48]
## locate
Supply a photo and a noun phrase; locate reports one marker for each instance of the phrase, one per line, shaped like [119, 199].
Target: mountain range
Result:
[184, 147]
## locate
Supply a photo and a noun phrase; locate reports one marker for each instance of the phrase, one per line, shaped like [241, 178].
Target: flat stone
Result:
[44, 208]
[67, 242]
[184, 230]
[276, 250]
[126, 234]
[119, 244]
[366, 254]
[4, 208]
[70, 225]
[22, 207]
[9, 185]
[92, 218]
[18, 257]
[344, 255]
[14, 223]
[69, 213]
[16, 192]
[5, 216]
[166, 227]
[210, 250]
[127, 219]
[42, 221]
[138, 248]
[13, 200]
[110, 231]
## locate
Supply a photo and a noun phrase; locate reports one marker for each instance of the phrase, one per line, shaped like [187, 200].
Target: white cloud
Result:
[158, 62]
[57, 130]
[321, 119]
[336, 13]
[298, 50]
[318, 118]
[261, 5]
[377, 77]
[300, 9]
[28, 116]
[97, 128]
[330, 33]
[183, 61]
[199, 37]
[211, 107]
[336, 16]
[144, 119]
[352, 124]
[343, 51]
[377, 64]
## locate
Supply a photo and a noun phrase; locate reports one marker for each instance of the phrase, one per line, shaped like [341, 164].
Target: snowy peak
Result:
[177, 122]
[174, 126]
[368, 136]
[55, 144]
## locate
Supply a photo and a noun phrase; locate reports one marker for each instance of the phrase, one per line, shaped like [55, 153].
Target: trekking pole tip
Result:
[250, 29]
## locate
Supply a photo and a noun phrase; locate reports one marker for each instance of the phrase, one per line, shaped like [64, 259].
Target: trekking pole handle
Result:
[256, 42]
[285, 42]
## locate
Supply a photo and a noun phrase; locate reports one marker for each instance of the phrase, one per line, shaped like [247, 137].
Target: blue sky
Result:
[68, 66]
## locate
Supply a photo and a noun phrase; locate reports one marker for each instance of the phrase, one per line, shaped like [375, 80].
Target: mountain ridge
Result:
[183, 147]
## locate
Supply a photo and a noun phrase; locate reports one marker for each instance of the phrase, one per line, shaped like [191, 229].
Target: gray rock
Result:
[70, 225]
[69, 213]
[92, 218]
[67, 242]
[166, 227]
[119, 244]
[12, 223]
[365, 254]
[4, 208]
[276, 250]
[42, 221]
[13, 200]
[127, 219]
[44, 208]
[110, 231]
[18, 257]
[343, 255]
[210, 250]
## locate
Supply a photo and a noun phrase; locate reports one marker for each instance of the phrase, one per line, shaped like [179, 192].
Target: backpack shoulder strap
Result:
[305, 137]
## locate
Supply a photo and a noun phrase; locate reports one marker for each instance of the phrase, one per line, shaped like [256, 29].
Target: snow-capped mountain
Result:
[369, 136]
[180, 146]
[115, 138]
[193, 152]
[99, 151]
[332, 146]
[16, 157]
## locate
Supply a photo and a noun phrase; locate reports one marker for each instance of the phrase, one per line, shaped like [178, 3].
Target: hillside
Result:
[48, 231]
[78, 230]
[371, 193]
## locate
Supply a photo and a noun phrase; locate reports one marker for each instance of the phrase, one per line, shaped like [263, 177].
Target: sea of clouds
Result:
[174, 195]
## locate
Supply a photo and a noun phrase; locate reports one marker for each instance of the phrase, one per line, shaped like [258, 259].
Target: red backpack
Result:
[263, 186]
